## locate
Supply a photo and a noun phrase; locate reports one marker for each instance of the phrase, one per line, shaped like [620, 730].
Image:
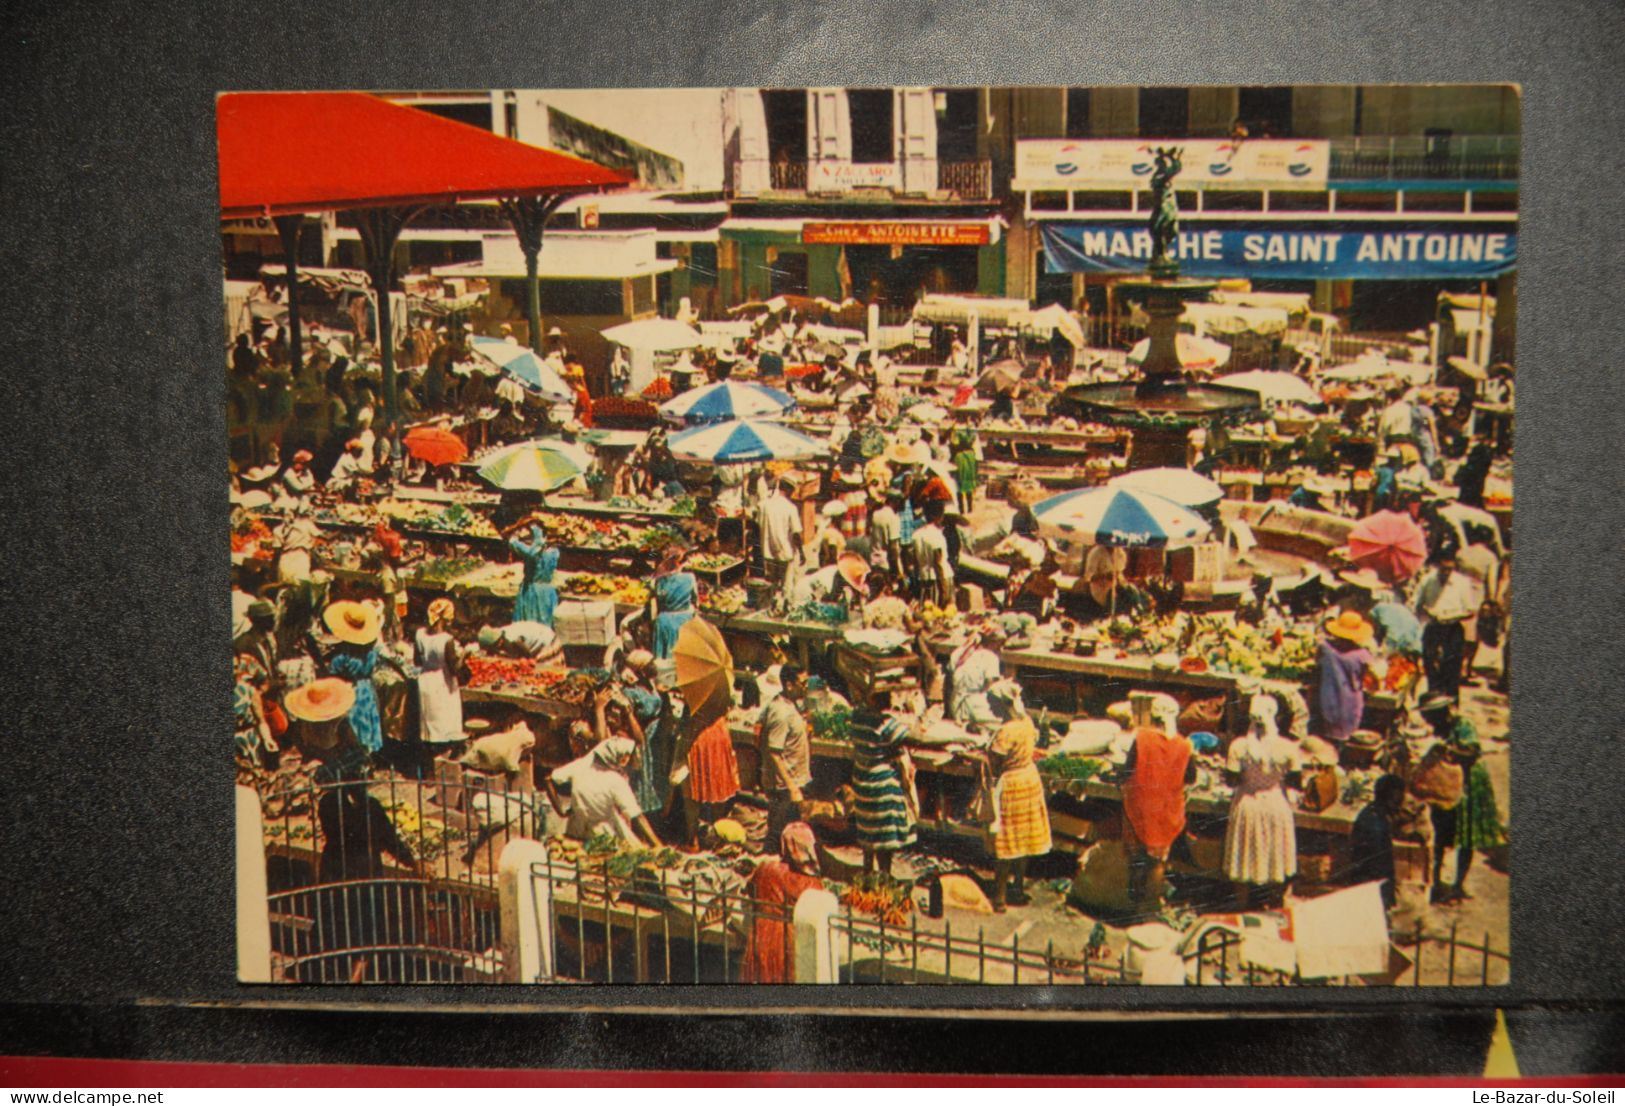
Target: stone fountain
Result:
[1163, 406]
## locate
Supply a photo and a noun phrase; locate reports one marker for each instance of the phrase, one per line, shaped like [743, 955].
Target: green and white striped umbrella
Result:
[537, 466]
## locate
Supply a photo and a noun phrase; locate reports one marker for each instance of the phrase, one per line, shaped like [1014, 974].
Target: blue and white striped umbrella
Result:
[727, 399]
[1117, 516]
[523, 365]
[741, 442]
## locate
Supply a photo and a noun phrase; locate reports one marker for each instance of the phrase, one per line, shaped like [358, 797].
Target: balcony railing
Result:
[789, 176]
[967, 180]
[1426, 157]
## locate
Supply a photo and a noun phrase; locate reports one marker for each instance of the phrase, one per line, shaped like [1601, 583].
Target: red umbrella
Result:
[1390, 543]
[435, 445]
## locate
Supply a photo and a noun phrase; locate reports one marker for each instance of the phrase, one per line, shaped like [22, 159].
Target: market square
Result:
[991, 536]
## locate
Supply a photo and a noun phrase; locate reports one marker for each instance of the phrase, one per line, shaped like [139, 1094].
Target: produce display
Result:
[596, 585]
[1222, 644]
[1068, 766]
[724, 600]
[711, 562]
[940, 620]
[881, 895]
[685, 505]
[513, 673]
[830, 614]
[834, 724]
[427, 836]
[438, 572]
[606, 534]
[252, 537]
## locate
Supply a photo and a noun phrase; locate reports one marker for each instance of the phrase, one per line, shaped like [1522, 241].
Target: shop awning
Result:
[284, 153]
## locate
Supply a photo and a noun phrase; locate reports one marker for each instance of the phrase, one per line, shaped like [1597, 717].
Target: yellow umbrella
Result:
[705, 668]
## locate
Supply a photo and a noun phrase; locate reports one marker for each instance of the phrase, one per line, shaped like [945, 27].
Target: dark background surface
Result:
[115, 864]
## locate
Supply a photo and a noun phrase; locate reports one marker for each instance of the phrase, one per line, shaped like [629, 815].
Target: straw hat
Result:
[321, 700]
[349, 621]
[440, 610]
[835, 508]
[1351, 627]
[853, 569]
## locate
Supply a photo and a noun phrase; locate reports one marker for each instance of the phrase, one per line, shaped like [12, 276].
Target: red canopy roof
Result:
[283, 153]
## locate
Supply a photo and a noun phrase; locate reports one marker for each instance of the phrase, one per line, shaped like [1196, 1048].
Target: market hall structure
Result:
[877, 535]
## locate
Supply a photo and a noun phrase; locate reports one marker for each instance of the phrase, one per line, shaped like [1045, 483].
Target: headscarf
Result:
[799, 848]
[1165, 713]
[614, 751]
[1261, 712]
[1004, 696]
[440, 611]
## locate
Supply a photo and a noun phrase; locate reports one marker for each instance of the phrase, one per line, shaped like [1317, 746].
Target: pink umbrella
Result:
[1390, 543]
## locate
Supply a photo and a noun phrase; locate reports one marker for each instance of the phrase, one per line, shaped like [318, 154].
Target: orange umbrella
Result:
[435, 445]
[705, 667]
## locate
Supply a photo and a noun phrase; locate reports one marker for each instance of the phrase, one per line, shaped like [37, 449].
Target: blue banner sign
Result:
[1334, 252]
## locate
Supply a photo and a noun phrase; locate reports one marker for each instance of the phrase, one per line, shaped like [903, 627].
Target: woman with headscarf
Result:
[1474, 822]
[775, 886]
[651, 719]
[1345, 654]
[440, 700]
[1020, 827]
[296, 539]
[1159, 766]
[601, 798]
[974, 668]
[885, 809]
[538, 598]
[673, 595]
[1261, 845]
[255, 745]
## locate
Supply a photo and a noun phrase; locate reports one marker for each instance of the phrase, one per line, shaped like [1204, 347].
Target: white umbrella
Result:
[1183, 486]
[1278, 386]
[1117, 516]
[659, 335]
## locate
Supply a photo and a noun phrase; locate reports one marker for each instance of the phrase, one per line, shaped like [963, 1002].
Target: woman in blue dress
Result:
[675, 593]
[537, 598]
[356, 658]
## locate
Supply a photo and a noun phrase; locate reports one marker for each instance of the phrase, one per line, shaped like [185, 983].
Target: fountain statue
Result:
[1164, 404]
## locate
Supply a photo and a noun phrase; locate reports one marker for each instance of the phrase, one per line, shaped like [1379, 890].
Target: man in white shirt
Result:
[1396, 423]
[348, 468]
[786, 753]
[886, 536]
[1445, 601]
[601, 797]
[780, 523]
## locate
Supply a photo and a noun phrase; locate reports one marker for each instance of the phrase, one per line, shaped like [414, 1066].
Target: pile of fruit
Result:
[252, 537]
[940, 620]
[881, 895]
[521, 673]
[427, 836]
[1402, 673]
[708, 562]
[596, 585]
[1225, 645]
[724, 600]
[627, 410]
[834, 724]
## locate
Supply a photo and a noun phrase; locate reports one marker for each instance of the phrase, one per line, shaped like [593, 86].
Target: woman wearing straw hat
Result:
[1020, 828]
[1261, 843]
[1345, 655]
[538, 598]
[320, 710]
[440, 700]
[356, 658]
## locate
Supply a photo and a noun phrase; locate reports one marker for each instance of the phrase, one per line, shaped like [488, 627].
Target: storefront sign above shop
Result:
[840, 176]
[1319, 253]
[1059, 164]
[896, 234]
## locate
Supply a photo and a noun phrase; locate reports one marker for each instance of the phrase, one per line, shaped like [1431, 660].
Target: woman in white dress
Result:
[1261, 848]
[440, 700]
[975, 667]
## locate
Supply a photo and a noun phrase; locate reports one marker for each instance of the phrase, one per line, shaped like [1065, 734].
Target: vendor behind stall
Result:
[538, 598]
[974, 668]
[1101, 592]
[672, 596]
